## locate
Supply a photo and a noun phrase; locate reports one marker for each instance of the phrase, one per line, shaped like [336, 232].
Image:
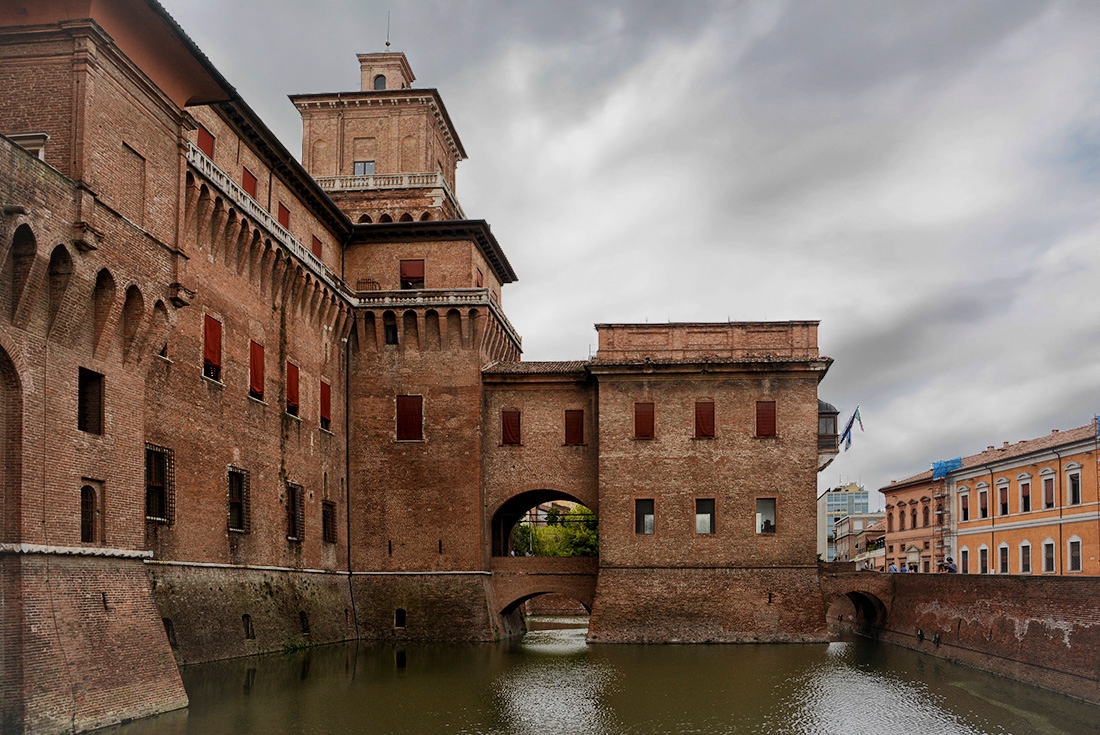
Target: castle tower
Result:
[386, 153]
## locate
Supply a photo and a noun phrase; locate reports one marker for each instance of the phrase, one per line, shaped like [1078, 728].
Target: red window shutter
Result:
[574, 427]
[248, 183]
[704, 420]
[412, 270]
[315, 246]
[509, 427]
[643, 420]
[206, 142]
[284, 215]
[765, 418]
[480, 279]
[410, 418]
[256, 370]
[212, 342]
[326, 401]
[291, 387]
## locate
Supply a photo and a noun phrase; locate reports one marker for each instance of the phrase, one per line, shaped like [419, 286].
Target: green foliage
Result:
[575, 533]
[294, 644]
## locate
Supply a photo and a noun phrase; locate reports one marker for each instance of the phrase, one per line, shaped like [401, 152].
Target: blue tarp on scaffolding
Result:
[940, 469]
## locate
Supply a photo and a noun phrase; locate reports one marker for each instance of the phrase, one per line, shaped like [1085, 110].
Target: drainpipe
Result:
[347, 479]
[1057, 492]
[992, 522]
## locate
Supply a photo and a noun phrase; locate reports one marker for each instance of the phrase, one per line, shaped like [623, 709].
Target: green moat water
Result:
[551, 682]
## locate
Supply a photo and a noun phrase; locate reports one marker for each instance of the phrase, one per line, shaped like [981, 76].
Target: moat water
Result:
[552, 682]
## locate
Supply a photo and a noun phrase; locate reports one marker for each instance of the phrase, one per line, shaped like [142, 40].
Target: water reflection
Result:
[551, 682]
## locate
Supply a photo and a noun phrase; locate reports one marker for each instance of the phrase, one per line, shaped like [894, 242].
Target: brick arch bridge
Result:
[517, 579]
[870, 594]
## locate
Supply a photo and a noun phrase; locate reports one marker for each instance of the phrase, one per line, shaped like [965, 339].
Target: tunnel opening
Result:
[858, 613]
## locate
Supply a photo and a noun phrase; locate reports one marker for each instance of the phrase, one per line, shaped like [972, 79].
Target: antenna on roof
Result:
[387, 30]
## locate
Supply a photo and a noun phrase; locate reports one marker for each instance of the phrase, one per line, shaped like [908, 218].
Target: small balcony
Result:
[389, 182]
[828, 444]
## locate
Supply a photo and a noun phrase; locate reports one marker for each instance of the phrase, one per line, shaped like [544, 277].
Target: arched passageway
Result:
[516, 509]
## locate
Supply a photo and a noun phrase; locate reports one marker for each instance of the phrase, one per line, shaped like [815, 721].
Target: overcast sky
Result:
[922, 177]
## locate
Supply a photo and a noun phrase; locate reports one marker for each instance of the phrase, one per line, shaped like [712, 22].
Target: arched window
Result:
[380, 81]
[927, 514]
[87, 515]
[365, 219]
[406, 217]
[385, 218]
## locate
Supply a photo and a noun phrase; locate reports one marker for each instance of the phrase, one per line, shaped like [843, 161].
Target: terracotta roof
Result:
[536, 368]
[998, 454]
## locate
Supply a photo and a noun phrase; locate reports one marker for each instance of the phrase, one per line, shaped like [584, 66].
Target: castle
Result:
[249, 400]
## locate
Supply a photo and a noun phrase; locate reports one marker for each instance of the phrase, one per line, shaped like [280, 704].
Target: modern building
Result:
[834, 504]
[1029, 507]
[248, 400]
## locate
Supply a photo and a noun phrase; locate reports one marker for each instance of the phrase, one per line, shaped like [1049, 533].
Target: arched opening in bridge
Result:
[545, 523]
[856, 612]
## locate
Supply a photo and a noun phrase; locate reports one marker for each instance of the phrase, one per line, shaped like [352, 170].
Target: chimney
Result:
[1005, 446]
[989, 448]
[1053, 431]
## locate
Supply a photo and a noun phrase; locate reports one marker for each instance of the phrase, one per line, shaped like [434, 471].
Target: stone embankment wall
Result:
[1039, 630]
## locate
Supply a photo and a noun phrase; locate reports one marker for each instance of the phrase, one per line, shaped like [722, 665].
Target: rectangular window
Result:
[1048, 492]
[704, 515]
[1025, 497]
[328, 522]
[765, 515]
[410, 418]
[284, 216]
[1025, 559]
[1003, 560]
[248, 183]
[765, 418]
[509, 427]
[256, 371]
[643, 420]
[363, 168]
[326, 406]
[1074, 556]
[238, 500]
[574, 427]
[964, 507]
[643, 517]
[1075, 489]
[206, 142]
[212, 348]
[89, 410]
[479, 279]
[1002, 499]
[159, 496]
[291, 388]
[412, 274]
[1048, 556]
[704, 419]
[964, 561]
[295, 512]
[983, 561]
[983, 504]
[315, 246]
